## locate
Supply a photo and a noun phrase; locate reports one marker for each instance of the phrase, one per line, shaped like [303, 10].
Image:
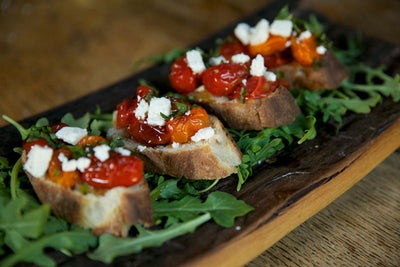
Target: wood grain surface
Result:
[55, 52]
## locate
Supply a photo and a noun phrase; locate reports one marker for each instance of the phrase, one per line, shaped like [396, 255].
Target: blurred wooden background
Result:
[52, 52]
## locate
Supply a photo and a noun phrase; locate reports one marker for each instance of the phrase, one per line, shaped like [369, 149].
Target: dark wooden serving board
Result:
[303, 179]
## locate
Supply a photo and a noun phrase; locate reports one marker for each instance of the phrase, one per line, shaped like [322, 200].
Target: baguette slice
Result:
[214, 158]
[329, 75]
[277, 109]
[113, 212]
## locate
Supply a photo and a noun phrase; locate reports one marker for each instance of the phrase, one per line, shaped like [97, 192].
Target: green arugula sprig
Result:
[183, 216]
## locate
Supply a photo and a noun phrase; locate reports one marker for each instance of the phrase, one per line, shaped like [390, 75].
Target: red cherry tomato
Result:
[28, 145]
[228, 49]
[182, 78]
[256, 87]
[118, 170]
[222, 79]
[57, 127]
[147, 134]
[278, 59]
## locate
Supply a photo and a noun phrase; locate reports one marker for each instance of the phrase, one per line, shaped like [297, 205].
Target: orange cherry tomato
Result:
[117, 170]
[90, 140]
[57, 175]
[182, 128]
[305, 51]
[273, 44]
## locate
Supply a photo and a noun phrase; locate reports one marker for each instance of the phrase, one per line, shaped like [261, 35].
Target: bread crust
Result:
[277, 109]
[329, 75]
[215, 158]
[113, 212]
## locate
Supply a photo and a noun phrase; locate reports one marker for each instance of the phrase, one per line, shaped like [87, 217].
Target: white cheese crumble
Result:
[270, 76]
[203, 134]
[71, 165]
[175, 145]
[260, 33]
[242, 32]
[244, 81]
[157, 106]
[281, 27]
[321, 50]
[240, 58]
[304, 35]
[71, 135]
[38, 160]
[217, 60]
[102, 152]
[257, 67]
[123, 151]
[141, 148]
[288, 43]
[141, 109]
[195, 61]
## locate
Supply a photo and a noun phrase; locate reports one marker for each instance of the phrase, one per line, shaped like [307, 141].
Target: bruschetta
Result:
[175, 138]
[86, 182]
[239, 90]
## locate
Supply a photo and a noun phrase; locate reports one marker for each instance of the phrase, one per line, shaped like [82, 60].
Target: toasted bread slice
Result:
[111, 211]
[213, 158]
[328, 75]
[277, 109]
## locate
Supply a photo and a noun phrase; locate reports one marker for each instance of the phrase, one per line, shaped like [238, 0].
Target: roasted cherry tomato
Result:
[125, 112]
[182, 78]
[57, 175]
[273, 44]
[221, 80]
[228, 49]
[305, 51]
[27, 146]
[256, 87]
[147, 134]
[91, 140]
[117, 170]
[57, 127]
[278, 58]
[182, 128]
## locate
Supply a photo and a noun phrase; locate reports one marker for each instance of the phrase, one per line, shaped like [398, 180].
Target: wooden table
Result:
[52, 53]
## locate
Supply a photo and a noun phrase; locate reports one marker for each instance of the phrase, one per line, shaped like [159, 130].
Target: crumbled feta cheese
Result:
[240, 58]
[175, 145]
[281, 27]
[203, 134]
[238, 228]
[82, 164]
[71, 135]
[141, 109]
[141, 148]
[260, 33]
[38, 160]
[321, 50]
[123, 151]
[195, 61]
[157, 106]
[102, 152]
[304, 35]
[242, 32]
[71, 165]
[187, 113]
[244, 81]
[270, 76]
[288, 43]
[217, 60]
[257, 67]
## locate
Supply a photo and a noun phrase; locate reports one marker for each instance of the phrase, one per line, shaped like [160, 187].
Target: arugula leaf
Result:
[284, 14]
[111, 247]
[75, 241]
[223, 207]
